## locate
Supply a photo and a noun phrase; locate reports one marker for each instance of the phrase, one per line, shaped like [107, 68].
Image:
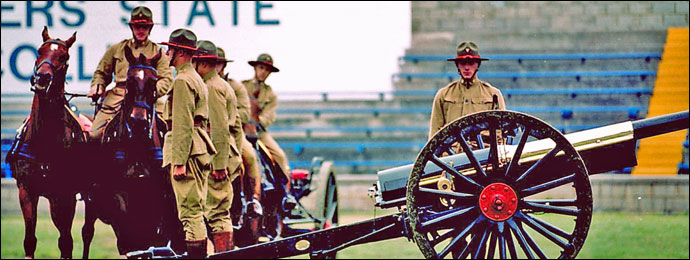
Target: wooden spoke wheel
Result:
[521, 191]
[326, 202]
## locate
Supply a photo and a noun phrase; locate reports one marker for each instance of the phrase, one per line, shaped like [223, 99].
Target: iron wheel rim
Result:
[464, 218]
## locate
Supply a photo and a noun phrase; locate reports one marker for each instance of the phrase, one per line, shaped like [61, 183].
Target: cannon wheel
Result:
[326, 204]
[483, 209]
[326, 200]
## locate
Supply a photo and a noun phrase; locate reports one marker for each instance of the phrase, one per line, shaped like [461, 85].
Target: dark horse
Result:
[44, 152]
[130, 189]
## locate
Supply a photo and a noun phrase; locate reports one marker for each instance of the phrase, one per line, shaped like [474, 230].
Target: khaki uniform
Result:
[268, 102]
[455, 100]
[242, 99]
[187, 143]
[114, 62]
[222, 105]
[248, 154]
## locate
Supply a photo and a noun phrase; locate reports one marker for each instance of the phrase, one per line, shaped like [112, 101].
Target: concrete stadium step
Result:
[533, 83]
[351, 154]
[580, 100]
[422, 119]
[535, 65]
[559, 42]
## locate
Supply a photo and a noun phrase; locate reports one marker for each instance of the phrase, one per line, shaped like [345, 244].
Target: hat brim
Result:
[254, 63]
[212, 58]
[224, 60]
[140, 22]
[179, 46]
[467, 57]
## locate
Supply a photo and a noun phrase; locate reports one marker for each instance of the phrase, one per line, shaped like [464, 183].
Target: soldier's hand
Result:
[179, 171]
[219, 174]
[249, 129]
[95, 93]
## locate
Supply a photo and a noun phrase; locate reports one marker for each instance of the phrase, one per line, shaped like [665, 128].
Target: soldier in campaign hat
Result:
[114, 62]
[188, 149]
[263, 103]
[222, 105]
[466, 95]
[249, 159]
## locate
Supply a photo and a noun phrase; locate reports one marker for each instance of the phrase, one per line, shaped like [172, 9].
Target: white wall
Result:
[318, 46]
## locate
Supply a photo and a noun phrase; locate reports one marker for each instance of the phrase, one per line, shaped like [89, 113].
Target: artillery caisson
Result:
[476, 190]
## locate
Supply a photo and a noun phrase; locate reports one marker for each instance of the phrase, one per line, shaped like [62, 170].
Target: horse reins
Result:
[61, 70]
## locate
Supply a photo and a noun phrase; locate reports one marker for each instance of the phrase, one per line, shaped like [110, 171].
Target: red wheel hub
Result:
[498, 201]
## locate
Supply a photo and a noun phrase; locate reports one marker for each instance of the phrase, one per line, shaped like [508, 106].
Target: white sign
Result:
[318, 46]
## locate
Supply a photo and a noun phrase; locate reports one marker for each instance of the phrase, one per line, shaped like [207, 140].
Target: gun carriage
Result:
[481, 202]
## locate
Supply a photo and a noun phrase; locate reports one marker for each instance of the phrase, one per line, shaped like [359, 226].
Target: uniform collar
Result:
[210, 74]
[133, 42]
[184, 66]
[474, 81]
[257, 83]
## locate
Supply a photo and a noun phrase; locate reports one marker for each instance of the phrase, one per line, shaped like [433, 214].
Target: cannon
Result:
[474, 191]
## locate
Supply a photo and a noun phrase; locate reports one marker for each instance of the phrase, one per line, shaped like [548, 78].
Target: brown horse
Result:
[43, 154]
[131, 191]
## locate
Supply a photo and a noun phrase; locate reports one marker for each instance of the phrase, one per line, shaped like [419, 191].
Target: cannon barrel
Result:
[660, 125]
[603, 149]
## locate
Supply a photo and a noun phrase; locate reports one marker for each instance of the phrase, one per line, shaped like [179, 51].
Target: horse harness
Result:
[61, 70]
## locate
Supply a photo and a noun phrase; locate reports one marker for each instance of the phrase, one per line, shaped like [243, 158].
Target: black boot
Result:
[196, 249]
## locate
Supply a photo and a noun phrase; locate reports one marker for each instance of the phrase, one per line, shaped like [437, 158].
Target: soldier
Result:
[222, 105]
[466, 95]
[263, 103]
[188, 148]
[114, 62]
[249, 159]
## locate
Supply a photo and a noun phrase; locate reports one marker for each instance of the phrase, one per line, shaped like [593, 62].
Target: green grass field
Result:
[611, 235]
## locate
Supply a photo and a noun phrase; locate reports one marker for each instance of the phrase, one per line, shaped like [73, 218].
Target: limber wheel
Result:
[326, 201]
[494, 204]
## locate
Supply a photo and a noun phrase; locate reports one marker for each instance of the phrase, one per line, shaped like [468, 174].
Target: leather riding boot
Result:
[222, 241]
[196, 249]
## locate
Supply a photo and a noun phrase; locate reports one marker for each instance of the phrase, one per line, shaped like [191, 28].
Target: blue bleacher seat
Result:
[520, 57]
[451, 76]
[383, 164]
[298, 147]
[6, 172]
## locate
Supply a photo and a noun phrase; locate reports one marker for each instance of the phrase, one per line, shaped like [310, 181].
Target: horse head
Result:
[51, 65]
[141, 87]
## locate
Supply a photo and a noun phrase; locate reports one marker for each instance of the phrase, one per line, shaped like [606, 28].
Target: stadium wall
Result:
[554, 26]
[611, 192]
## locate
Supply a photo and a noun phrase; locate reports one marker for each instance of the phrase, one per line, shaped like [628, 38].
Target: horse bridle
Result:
[61, 70]
[142, 104]
[139, 66]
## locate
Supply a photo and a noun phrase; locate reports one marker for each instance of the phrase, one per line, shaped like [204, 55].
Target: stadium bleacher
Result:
[363, 136]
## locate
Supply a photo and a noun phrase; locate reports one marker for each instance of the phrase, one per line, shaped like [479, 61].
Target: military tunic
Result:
[456, 100]
[248, 155]
[114, 62]
[242, 99]
[268, 102]
[222, 105]
[187, 143]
